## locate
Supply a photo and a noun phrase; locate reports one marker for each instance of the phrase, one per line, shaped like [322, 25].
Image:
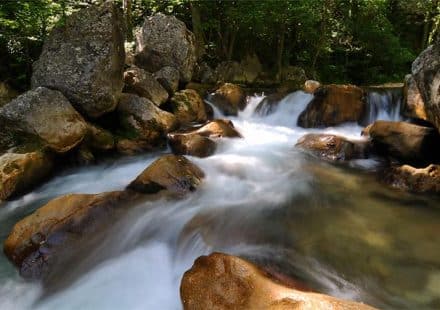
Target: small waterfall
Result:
[383, 104]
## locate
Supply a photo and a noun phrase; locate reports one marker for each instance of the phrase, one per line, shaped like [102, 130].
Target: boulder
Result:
[220, 281]
[36, 242]
[173, 173]
[414, 106]
[45, 115]
[332, 147]
[219, 128]
[310, 86]
[229, 99]
[333, 105]
[141, 119]
[269, 104]
[84, 59]
[188, 107]
[191, 144]
[19, 172]
[7, 93]
[406, 142]
[132, 146]
[419, 180]
[143, 83]
[98, 138]
[163, 40]
[168, 77]
[204, 74]
[426, 72]
[202, 89]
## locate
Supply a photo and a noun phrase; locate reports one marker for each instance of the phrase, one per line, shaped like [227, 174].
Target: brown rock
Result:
[406, 142]
[333, 105]
[413, 103]
[269, 104]
[98, 138]
[422, 180]
[220, 281]
[173, 173]
[191, 144]
[229, 99]
[19, 172]
[219, 128]
[310, 86]
[144, 84]
[201, 89]
[332, 147]
[132, 146]
[188, 106]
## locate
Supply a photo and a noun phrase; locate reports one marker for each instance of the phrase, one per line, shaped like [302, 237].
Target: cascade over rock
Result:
[220, 281]
[229, 98]
[84, 59]
[164, 40]
[45, 115]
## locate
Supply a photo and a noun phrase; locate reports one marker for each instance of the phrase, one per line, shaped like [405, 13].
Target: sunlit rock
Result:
[422, 180]
[188, 106]
[229, 98]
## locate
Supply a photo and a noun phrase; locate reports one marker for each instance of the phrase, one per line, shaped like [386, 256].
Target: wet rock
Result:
[191, 144]
[19, 172]
[164, 40]
[40, 239]
[405, 142]
[7, 93]
[219, 128]
[45, 115]
[98, 138]
[143, 120]
[332, 147]
[143, 83]
[168, 77]
[426, 73]
[310, 86]
[188, 106]
[333, 105]
[221, 281]
[413, 103]
[84, 59]
[419, 180]
[229, 99]
[173, 173]
[269, 104]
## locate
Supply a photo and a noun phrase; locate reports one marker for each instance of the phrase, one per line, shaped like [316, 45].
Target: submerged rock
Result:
[188, 107]
[84, 59]
[229, 99]
[44, 115]
[173, 173]
[333, 105]
[406, 142]
[191, 144]
[220, 281]
[19, 172]
[332, 147]
[420, 180]
[162, 41]
[144, 84]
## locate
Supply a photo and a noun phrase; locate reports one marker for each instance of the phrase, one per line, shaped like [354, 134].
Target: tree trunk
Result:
[126, 5]
[197, 28]
[231, 44]
[280, 52]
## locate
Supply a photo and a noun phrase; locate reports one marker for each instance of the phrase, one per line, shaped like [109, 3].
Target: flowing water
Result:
[335, 227]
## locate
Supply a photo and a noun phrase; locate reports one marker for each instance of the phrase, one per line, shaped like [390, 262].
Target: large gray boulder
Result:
[84, 59]
[46, 116]
[426, 72]
[165, 41]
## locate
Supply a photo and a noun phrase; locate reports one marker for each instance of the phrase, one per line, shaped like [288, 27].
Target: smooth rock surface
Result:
[229, 98]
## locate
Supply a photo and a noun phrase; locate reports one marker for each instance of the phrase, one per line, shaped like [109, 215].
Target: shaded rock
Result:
[413, 103]
[332, 147]
[84, 59]
[164, 40]
[333, 105]
[229, 99]
[173, 173]
[19, 172]
[168, 77]
[6, 93]
[40, 239]
[221, 281]
[191, 144]
[426, 73]
[310, 86]
[143, 83]
[98, 138]
[132, 146]
[141, 119]
[219, 128]
[204, 74]
[422, 180]
[406, 142]
[269, 104]
[45, 115]
[202, 89]
[188, 106]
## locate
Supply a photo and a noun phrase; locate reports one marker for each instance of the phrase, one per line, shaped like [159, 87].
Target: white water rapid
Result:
[240, 208]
